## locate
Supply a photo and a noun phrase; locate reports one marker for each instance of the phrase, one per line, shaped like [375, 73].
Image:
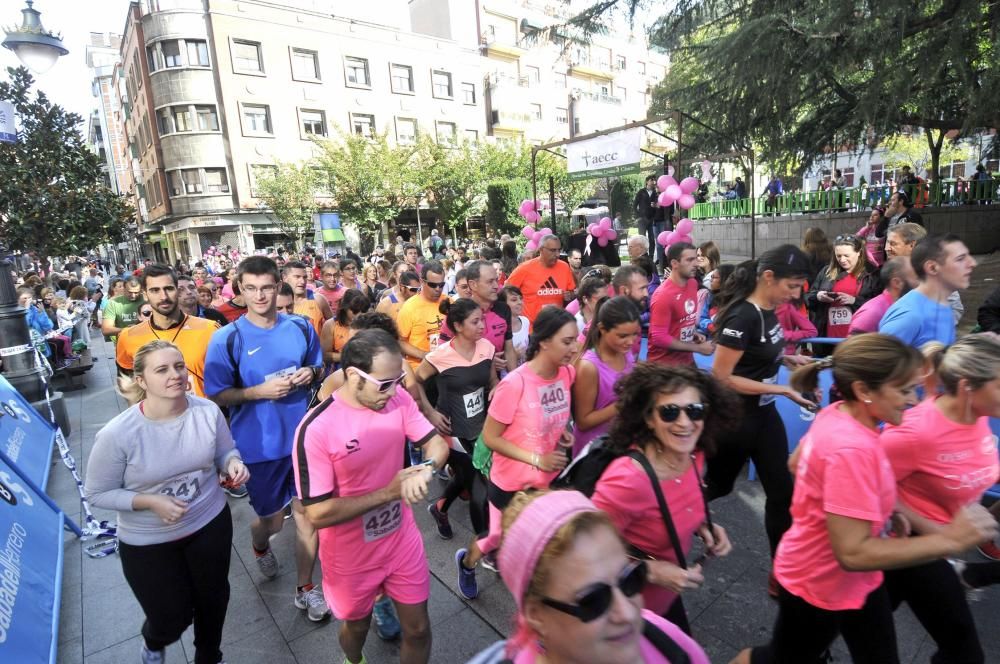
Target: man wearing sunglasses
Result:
[407, 285]
[348, 477]
[420, 318]
[261, 367]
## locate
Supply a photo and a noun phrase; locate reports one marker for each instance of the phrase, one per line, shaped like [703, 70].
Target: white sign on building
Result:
[8, 134]
[605, 156]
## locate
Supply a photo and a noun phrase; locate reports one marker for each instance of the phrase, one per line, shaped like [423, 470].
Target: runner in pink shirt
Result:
[347, 459]
[828, 563]
[673, 311]
[944, 456]
[526, 428]
[670, 415]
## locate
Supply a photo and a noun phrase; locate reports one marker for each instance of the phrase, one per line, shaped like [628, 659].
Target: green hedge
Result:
[502, 200]
[621, 196]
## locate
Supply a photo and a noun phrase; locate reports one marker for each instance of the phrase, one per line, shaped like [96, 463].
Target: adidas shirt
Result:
[542, 285]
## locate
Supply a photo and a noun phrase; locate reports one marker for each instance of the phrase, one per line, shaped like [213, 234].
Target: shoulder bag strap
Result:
[664, 644]
[675, 541]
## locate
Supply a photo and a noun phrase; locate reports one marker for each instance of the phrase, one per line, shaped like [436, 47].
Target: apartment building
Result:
[542, 90]
[222, 90]
[105, 134]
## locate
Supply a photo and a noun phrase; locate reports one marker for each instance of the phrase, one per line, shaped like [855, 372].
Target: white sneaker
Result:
[312, 600]
[147, 656]
[267, 564]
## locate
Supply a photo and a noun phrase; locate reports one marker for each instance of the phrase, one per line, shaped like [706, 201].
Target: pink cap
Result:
[527, 537]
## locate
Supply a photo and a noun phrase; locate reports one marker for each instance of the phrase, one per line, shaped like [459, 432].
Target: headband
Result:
[534, 527]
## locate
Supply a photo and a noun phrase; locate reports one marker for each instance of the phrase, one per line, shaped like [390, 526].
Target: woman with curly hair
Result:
[669, 417]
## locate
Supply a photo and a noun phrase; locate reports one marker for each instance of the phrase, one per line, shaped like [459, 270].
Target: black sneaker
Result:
[441, 519]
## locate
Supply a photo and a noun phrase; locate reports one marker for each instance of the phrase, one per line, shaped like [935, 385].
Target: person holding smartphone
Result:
[840, 289]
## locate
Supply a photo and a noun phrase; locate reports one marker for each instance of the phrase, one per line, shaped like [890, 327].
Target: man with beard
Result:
[187, 300]
[673, 311]
[899, 279]
[122, 311]
[170, 323]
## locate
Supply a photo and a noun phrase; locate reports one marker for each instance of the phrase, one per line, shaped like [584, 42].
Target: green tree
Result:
[913, 151]
[571, 193]
[371, 179]
[290, 191]
[453, 180]
[53, 199]
[800, 77]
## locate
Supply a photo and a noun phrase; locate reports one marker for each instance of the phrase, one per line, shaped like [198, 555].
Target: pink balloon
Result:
[661, 239]
[690, 185]
[527, 232]
[663, 182]
[684, 238]
[603, 241]
[674, 191]
[686, 202]
[531, 246]
[665, 199]
[684, 226]
[594, 229]
[605, 223]
[611, 234]
[532, 217]
[525, 207]
[545, 231]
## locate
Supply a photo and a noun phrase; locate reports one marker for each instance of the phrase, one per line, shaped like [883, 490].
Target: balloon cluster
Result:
[673, 192]
[603, 231]
[680, 234]
[531, 211]
[534, 236]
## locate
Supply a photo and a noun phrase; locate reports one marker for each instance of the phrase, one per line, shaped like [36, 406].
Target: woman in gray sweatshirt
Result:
[159, 465]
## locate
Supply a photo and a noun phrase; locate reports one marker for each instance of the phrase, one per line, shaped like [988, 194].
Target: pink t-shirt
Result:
[867, 318]
[343, 451]
[940, 465]
[626, 495]
[648, 651]
[673, 314]
[842, 470]
[536, 412]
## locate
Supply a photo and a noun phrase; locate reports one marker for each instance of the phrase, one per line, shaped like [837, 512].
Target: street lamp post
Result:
[36, 48]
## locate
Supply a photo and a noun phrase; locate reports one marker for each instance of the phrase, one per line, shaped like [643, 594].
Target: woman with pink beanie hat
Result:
[578, 595]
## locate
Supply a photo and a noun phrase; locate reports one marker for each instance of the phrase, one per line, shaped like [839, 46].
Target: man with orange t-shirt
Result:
[316, 309]
[544, 280]
[189, 333]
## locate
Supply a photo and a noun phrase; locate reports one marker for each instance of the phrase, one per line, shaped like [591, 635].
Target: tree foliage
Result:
[801, 77]
[371, 179]
[453, 180]
[912, 150]
[53, 199]
[290, 191]
[503, 199]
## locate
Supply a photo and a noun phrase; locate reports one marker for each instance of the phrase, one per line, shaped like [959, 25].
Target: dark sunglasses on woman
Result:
[670, 412]
[594, 601]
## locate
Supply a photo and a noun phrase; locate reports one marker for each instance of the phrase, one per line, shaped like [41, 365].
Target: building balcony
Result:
[511, 121]
[497, 80]
[590, 68]
[494, 47]
[599, 98]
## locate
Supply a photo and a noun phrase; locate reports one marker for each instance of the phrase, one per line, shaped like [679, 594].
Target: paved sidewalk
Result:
[100, 620]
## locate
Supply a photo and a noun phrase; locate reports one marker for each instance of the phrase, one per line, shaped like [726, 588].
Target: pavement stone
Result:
[100, 620]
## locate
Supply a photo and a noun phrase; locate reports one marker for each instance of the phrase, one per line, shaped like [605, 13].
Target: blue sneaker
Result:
[466, 577]
[386, 623]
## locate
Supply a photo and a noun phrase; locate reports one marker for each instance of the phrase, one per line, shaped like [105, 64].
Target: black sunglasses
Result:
[593, 273]
[846, 238]
[594, 601]
[434, 285]
[145, 313]
[412, 289]
[670, 412]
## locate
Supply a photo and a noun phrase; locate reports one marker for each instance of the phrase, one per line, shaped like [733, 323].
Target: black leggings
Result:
[465, 477]
[803, 633]
[761, 438]
[937, 599]
[184, 581]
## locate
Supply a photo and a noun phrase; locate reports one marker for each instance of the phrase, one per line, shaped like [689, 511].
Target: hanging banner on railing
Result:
[605, 156]
[25, 436]
[31, 549]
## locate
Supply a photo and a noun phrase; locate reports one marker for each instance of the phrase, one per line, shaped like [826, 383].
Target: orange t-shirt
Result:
[542, 285]
[311, 310]
[191, 337]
